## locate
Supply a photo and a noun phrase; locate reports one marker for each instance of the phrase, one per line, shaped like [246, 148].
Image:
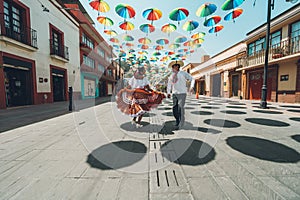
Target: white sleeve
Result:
[190, 78]
[130, 82]
[146, 81]
[169, 85]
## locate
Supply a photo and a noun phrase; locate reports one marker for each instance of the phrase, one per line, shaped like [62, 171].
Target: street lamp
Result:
[263, 103]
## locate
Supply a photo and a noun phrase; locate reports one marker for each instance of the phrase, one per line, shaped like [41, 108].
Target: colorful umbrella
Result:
[110, 32]
[144, 46]
[216, 29]
[128, 38]
[233, 14]
[128, 26]
[100, 5]
[174, 46]
[156, 53]
[179, 14]
[114, 40]
[125, 11]
[212, 21]
[147, 28]
[105, 21]
[180, 39]
[206, 9]
[158, 47]
[128, 44]
[198, 41]
[188, 43]
[143, 52]
[231, 4]
[168, 28]
[162, 41]
[144, 40]
[190, 25]
[198, 35]
[169, 53]
[152, 14]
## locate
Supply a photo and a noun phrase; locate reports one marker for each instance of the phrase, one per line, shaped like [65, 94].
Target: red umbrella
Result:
[233, 14]
[216, 29]
[100, 6]
[127, 26]
[152, 14]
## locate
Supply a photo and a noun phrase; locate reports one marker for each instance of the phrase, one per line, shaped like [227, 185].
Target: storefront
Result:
[18, 75]
[89, 85]
[59, 83]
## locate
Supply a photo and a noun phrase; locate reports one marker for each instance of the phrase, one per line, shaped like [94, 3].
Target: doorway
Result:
[235, 85]
[58, 85]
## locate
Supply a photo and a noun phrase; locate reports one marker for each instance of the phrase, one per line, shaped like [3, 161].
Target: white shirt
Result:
[180, 86]
[138, 83]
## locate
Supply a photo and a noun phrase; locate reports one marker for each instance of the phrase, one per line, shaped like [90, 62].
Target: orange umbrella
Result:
[100, 6]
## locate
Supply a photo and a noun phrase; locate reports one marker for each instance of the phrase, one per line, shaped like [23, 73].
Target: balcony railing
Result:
[25, 35]
[282, 49]
[59, 50]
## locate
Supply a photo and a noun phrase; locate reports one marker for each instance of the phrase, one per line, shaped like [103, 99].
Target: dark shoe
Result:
[176, 128]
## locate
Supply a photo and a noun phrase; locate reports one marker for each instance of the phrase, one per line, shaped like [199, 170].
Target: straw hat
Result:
[176, 62]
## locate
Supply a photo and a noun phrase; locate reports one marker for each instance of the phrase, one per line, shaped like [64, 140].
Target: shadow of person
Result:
[263, 149]
[185, 151]
[116, 155]
[169, 127]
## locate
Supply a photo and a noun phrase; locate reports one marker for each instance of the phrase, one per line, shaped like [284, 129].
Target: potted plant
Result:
[277, 52]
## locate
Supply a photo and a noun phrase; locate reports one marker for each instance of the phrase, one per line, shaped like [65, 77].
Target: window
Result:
[256, 46]
[88, 61]
[100, 52]
[275, 38]
[12, 20]
[295, 29]
[87, 41]
[101, 68]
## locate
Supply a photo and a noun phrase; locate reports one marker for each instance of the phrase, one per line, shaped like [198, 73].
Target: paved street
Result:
[228, 149]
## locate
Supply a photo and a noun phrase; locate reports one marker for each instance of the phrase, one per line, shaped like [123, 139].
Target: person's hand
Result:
[169, 96]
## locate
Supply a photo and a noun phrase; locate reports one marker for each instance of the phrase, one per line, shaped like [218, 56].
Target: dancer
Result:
[177, 84]
[138, 97]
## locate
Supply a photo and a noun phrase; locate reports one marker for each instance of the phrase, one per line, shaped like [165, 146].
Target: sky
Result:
[233, 32]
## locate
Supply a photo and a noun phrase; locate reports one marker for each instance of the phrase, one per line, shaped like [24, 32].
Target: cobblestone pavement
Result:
[228, 149]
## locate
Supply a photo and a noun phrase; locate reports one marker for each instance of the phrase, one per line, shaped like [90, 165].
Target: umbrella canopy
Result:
[125, 11]
[216, 29]
[105, 21]
[198, 35]
[168, 28]
[212, 21]
[206, 9]
[128, 38]
[144, 40]
[158, 47]
[233, 14]
[114, 40]
[156, 53]
[231, 4]
[180, 39]
[174, 46]
[188, 44]
[147, 28]
[144, 46]
[198, 41]
[100, 5]
[152, 14]
[190, 25]
[128, 44]
[110, 32]
[128, 26]
[179, 14]
[162, 41]
[169, 53]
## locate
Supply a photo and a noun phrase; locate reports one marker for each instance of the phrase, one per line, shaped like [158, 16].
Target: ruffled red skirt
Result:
[137, 101]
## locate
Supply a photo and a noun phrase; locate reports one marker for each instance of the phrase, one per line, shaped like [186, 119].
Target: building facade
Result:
[283, 78]
[38, 59]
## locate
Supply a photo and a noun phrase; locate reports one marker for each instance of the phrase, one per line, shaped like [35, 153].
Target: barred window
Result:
[87, 41]
[88, 61]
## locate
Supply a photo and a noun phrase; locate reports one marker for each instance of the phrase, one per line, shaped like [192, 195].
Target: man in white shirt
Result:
[177, 84]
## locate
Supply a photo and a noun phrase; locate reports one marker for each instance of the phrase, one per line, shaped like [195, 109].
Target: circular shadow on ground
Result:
[188, 151]
[236, 107]
[291, 106]
[167, 113]
[291, 110]
[202, 102]
[237, 103]
[267, 111]
[169, 127]
[233, 112]
[202, 113]
[189, 108]
[210, 107]
[162, 108]
[267, 122]
[116, 155]
[268, 107]
[147, 127]
[297, 119]
[214, 104]
[263, 149]
[149, 115]
[208, 130]
[222, 123]
[296, 137]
